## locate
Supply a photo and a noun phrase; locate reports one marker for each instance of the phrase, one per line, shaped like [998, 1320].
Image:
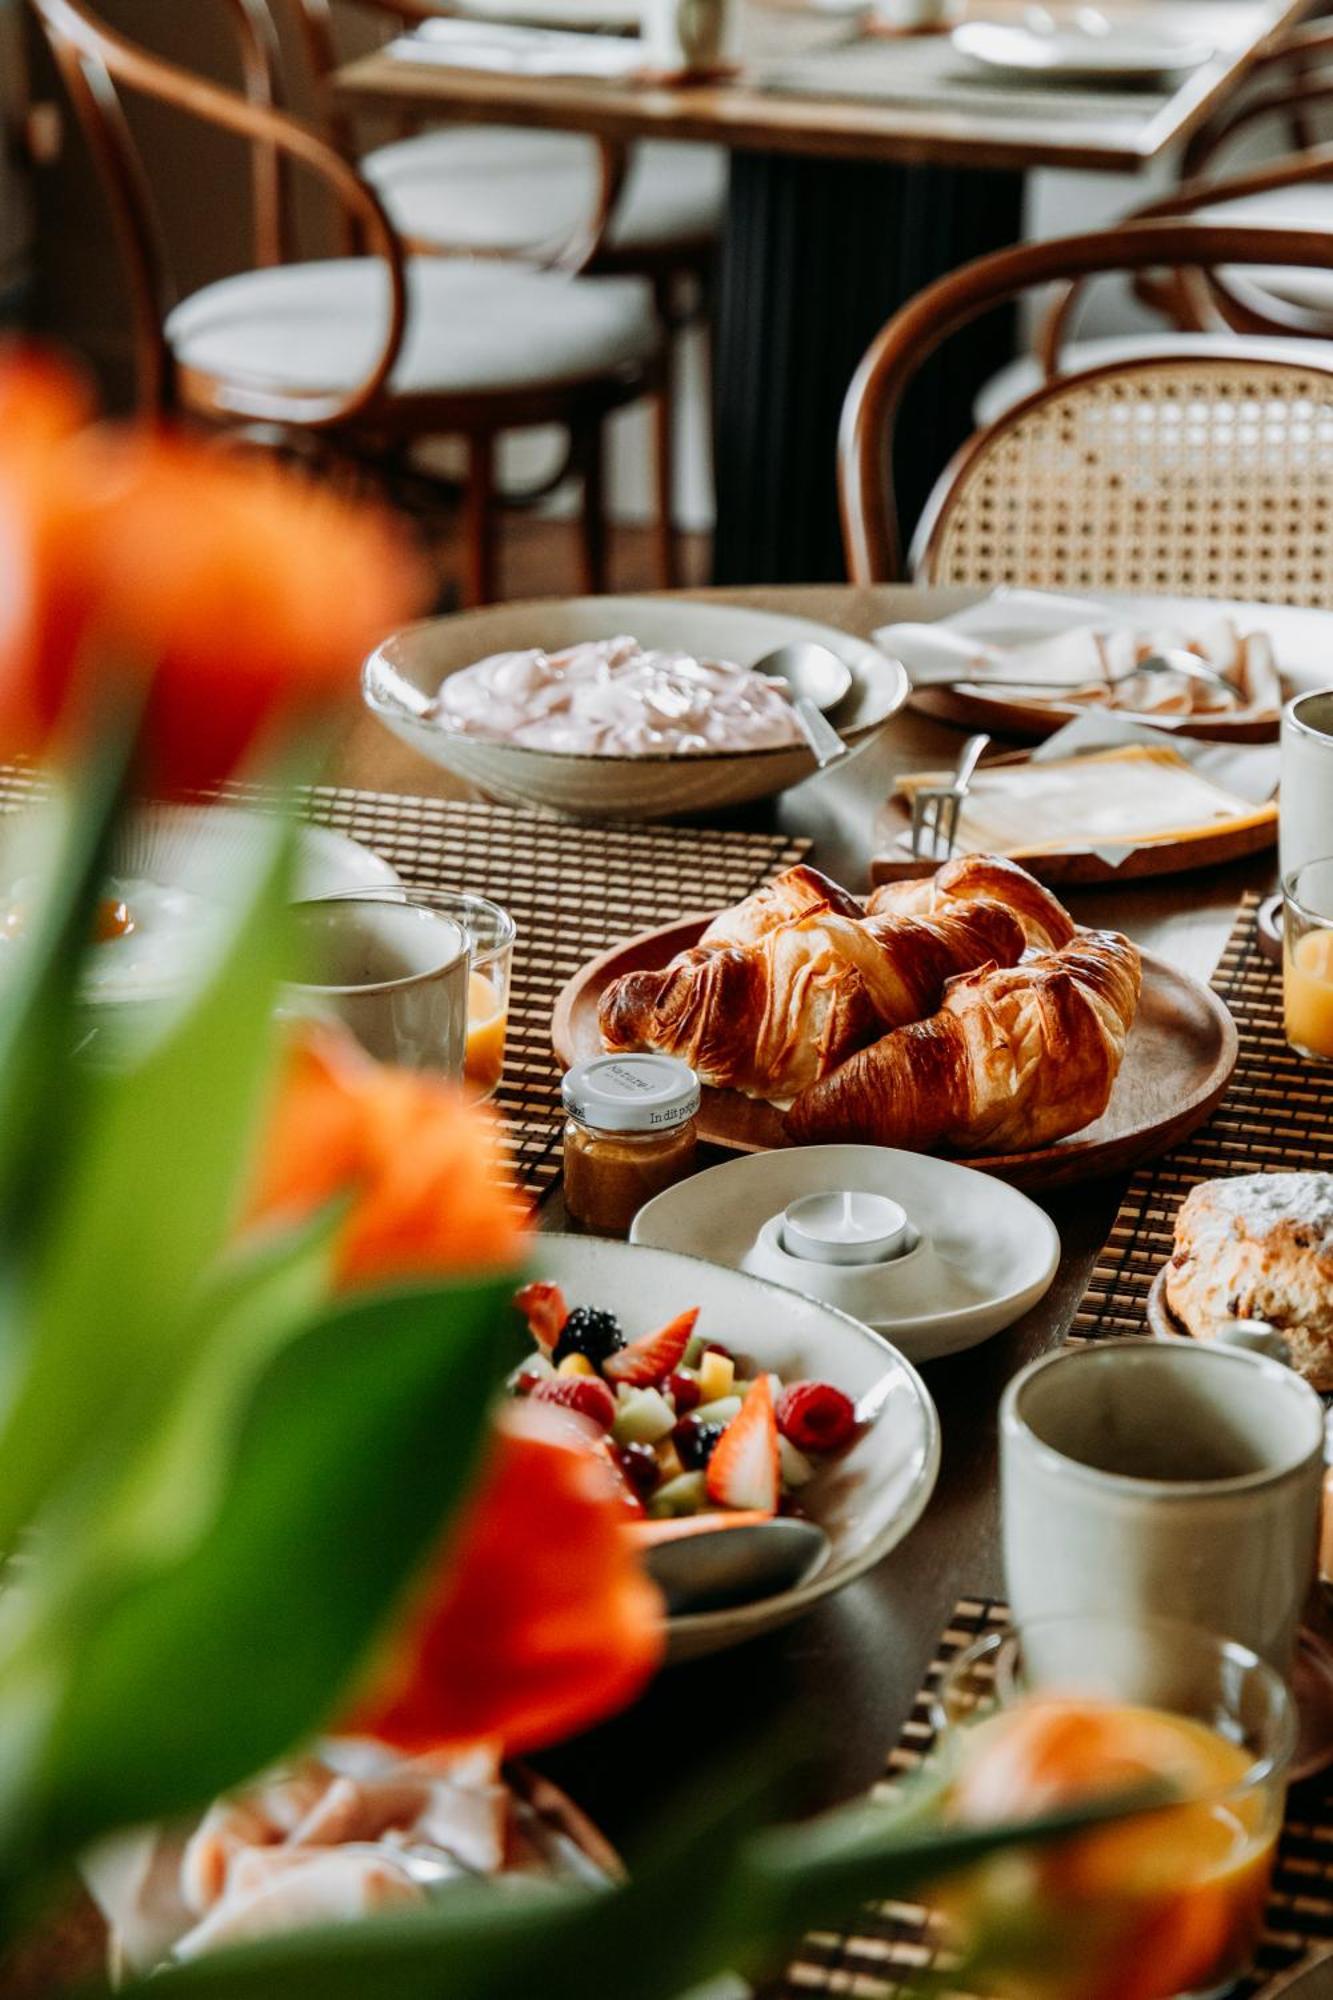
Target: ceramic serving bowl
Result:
[865, 1501]
[587, 786]
[979, 1253]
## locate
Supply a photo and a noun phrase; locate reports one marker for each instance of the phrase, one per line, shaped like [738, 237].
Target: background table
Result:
[853, 1667]
[840, 209]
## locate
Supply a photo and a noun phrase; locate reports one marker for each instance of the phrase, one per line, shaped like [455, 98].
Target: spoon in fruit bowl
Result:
[716, 1567]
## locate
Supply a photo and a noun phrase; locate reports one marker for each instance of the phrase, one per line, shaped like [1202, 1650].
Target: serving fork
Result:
[936, 808]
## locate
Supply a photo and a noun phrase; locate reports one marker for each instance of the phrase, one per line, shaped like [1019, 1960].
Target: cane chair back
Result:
[1208, 475]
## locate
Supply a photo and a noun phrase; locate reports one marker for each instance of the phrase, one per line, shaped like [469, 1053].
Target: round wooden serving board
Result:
[1178, 1061]
[1033, 721]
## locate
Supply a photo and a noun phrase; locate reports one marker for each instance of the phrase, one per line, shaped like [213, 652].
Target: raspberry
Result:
[584, 1393]
[814, 1416]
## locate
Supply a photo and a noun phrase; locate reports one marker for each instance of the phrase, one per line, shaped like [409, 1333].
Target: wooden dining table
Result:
[861, 168]
[846, 1674]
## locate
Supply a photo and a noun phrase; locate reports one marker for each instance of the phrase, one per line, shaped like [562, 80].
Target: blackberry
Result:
[590, 1332]
[695, 1442]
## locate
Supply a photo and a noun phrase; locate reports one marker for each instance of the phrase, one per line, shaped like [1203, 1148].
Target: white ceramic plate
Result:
[204, 848]
[604, 16]
[618, 787]
[987, 1253]
[866, 1501]
[1067, 53]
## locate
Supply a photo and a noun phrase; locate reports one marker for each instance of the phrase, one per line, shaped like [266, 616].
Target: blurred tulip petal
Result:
[540, 1621]
[422, 1166]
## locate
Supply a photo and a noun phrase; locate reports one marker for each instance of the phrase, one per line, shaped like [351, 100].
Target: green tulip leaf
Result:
[360, 1440]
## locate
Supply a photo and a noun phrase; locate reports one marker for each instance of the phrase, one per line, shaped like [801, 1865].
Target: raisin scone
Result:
[1259, 1247]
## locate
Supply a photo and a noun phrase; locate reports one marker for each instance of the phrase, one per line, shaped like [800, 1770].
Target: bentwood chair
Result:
[1198, 474]
[499, 189]
[368, 355]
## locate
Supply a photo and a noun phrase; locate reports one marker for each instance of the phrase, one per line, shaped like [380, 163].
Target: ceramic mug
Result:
[1146, 1479]
[395, 973]
[1305, 811]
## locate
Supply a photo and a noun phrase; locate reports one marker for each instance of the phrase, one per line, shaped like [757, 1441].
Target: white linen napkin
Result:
[498, 46]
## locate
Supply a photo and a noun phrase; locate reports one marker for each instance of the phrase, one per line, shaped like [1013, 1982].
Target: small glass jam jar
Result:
[631, 1131]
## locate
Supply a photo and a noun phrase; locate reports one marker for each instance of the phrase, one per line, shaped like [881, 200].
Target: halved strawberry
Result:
[744, 1471]
[645, 1363]
[543, 1306]
[584, 1393]
[814, 1416]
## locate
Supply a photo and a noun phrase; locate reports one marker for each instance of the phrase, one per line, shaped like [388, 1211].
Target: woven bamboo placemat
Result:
[1278, 1112]
[573, 889]
[889, 1944]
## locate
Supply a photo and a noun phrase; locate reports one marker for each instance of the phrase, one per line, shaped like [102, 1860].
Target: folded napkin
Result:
[1077, 653]
[499, 47]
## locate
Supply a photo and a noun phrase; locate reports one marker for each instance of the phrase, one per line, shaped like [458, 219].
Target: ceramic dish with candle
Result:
[690, 729]
[865, 1496]
[934, 1256]
[1022, 663]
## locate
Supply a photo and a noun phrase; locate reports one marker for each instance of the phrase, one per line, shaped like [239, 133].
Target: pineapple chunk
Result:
[576, 1364]
[717, 1372]
[669, 1462]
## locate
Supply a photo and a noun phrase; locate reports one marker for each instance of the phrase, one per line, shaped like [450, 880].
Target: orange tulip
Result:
[423, 1165]
[43, 606]
[539, 1621]
[241, 595]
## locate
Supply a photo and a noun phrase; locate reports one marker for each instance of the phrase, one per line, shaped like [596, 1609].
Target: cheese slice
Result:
[1134, 796]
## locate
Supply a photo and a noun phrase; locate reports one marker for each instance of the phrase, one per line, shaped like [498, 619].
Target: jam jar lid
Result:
[637, 1093]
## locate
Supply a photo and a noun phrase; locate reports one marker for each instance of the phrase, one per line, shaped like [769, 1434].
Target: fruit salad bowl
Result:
[866, 1495]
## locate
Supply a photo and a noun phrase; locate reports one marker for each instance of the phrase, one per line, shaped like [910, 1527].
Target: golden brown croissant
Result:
[771, 1017]
[1017, 1057]
[799, 892]
[1044, 917]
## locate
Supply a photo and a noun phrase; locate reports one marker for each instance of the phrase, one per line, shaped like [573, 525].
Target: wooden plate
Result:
[1178, 1061]
[1080, 864]
[1032, 721]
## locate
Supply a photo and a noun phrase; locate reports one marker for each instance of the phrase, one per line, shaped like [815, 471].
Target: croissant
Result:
[799, 892]
[769, 1018]
[1016, 1057]
[1044, 917]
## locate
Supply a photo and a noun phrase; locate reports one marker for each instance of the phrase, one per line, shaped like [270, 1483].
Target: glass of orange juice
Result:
[1155, 1903]
[490, 932]
[1307, 959]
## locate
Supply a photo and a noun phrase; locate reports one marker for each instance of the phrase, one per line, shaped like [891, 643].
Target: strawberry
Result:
[814, 1416]
[543, 1307]
[645, 1363]
[743, 1471]
[584, 1393]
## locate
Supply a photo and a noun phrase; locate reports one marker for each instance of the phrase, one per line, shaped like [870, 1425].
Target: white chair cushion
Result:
[1022, 376]
[472, 326]
[1309, 206]
[508, 189]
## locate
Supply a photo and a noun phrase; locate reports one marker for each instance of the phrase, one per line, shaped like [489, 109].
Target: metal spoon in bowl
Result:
[816, 680]
[720, 1567]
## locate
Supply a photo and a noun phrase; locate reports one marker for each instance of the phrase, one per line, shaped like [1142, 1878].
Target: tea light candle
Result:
[1308, 993]
[843, 1226]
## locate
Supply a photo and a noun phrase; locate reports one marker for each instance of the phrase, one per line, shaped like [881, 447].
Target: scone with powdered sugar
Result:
[1259, 1247]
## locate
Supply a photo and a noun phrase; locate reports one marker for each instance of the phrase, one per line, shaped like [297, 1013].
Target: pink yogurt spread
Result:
[610, 698]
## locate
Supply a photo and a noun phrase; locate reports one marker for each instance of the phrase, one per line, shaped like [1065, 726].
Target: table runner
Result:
[873, 1957]
[1278, 1112]
[573, 888]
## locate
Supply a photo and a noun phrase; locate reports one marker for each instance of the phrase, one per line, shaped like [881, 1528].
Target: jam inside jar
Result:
[631, 1130]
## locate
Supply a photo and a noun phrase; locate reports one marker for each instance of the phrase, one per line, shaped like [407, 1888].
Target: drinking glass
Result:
[490, 932]
[1062, 1711]
[1307, 959]
[395, 973]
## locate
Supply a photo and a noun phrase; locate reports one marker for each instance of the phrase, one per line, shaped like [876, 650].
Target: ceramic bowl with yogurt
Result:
[691, 731]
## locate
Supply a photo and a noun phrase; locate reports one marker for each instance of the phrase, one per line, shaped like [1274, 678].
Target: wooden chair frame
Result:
[869, 514]
[96, 63]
